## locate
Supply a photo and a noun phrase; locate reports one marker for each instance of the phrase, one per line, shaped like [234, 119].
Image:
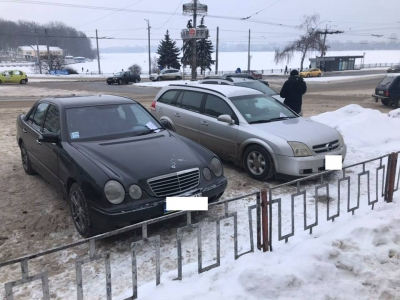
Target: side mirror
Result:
[167, 125]
[226, 119]
[49, 138]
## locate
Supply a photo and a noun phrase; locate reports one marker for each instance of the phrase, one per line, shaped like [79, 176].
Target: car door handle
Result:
[176, 115]
[24, 130]
[205, 123]
[37, 141]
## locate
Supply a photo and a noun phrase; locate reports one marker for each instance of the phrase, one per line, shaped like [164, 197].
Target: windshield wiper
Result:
[150, 131]
[281, 118]
[259, 121]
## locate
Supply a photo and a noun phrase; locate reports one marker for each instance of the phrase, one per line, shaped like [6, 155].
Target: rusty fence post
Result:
[264, 218]
[391, 177]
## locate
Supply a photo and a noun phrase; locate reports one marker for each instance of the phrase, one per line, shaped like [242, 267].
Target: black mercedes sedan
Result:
[112, 160]
[123, 78]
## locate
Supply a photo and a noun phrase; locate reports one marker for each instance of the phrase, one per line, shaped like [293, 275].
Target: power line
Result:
[170, 16]
[261, 10]
[109, 14]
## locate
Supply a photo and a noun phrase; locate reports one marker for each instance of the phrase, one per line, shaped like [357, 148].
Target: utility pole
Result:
[323, 47]
[194, 44]
[98, 54]
[248, 55]
[216, 53]
[37, 50]
[48, 51]
[148, 29]
[325, 32]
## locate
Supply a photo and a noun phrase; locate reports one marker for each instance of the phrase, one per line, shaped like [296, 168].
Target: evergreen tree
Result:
[204, 51]
[168, 52]
[187, 52]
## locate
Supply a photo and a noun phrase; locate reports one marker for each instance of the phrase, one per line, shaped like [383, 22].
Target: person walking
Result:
[293, 90]
[286, 72]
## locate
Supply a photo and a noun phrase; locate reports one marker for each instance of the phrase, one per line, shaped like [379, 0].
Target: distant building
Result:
[30, 52]
[336, 63]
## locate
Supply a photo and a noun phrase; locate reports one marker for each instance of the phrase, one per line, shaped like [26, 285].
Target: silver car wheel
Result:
[78, 213]
[256, 162]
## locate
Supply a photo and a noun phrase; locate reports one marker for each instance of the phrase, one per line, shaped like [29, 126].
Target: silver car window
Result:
[168, 97]
[256, 85]
[190, 100]
[216, 106]
[255, 108]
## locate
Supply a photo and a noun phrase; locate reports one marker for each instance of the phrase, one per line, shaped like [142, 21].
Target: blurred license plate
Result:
[183, 195]
[380, 92]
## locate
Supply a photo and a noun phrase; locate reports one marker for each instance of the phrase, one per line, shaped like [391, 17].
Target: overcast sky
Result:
[358, 18]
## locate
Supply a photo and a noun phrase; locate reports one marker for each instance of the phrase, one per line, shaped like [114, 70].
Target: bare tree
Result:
[52, 64]
[310, 41]
[154, 65]
[136, 69]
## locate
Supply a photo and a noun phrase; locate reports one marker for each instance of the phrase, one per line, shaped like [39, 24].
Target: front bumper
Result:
[104, 220]
[112, 80]
[305, 166]
[379, 96]
[152, 78]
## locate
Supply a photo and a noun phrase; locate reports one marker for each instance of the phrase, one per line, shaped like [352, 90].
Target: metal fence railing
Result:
[378, 174]
[378, 169]
[152, 241]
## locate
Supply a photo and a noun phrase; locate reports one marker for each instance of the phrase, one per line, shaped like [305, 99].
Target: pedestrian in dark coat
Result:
[293, 90]
[286, 72]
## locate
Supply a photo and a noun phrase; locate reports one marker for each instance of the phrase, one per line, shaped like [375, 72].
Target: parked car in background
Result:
[233, 75]
[258, 85]
[124, 78]
[255, 74]
[311, 73]
[13, 76]
[166, 74]
[250, 128]
[394, 69]
[112, 160]
[388, 91]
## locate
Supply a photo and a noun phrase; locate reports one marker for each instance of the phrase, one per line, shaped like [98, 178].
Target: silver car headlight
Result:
[207, 173]
[114, 191]
[341, 139]
[216, 167]
[300, 149]
[135, 191]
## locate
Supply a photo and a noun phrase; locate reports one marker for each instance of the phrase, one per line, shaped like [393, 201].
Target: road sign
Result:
[192, 32]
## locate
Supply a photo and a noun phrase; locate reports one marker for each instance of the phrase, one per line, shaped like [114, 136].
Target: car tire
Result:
[109, 83]
[178, 78]
[159, 78]
[308, 75]
[319, 75]
[23, 81]
[264, 168]
[120, 82]
[385, 102]
[79, 211]
[135, 80]
[397, 103]
[1, 82]
[26, 163]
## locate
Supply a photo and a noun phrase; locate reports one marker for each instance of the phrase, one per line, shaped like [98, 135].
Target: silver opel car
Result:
[250, 128]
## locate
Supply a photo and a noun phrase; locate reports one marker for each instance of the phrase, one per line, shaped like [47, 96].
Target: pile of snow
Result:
[394, 113]
[357, 259]
[364, 130]
[344, 78]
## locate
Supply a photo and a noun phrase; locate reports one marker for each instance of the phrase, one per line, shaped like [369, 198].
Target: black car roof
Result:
[80, 101]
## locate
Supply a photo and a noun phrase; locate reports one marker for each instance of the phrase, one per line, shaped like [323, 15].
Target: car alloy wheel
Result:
[135, 81]
[178, 78]
[0, 82]
[26, 164]
[398, 103]
[79, 211]
[319, 75]
[308, 75]
[159, 78]
[258, 163]
[120, 81]
[23, 81]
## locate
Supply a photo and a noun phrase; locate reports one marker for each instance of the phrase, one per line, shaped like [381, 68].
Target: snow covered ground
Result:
[359, 254]
[228, 61]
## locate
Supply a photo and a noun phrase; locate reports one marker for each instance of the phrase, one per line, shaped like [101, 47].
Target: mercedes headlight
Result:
[300, 149]
[114, 191]
[216, 167]
[135, 191]
[207, 173]
[341, 139]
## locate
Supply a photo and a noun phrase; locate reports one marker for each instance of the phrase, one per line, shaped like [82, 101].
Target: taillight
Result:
[153, 106]
[386, 93]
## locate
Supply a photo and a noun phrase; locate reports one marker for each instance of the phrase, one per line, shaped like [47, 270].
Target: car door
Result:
[186, 115]
[219, 137]
[7, 76]
[31, 131]
[49, 152]
[17, 76]
[165, 105]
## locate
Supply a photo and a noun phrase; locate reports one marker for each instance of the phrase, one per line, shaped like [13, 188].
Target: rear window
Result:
[168, 97]
[386, 81]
